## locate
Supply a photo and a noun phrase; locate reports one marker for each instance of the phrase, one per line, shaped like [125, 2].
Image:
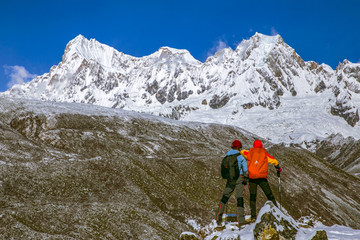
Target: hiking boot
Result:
[239, 225]
[245, 222]
[219, 225]
[249, 221]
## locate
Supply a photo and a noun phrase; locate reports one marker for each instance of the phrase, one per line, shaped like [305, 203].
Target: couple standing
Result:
[253, 169]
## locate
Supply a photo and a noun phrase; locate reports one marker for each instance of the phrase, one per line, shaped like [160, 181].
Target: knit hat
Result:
[258, 144]
[236, 144]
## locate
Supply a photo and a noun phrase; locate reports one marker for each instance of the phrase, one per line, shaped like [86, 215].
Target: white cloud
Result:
[220, 44]
[18, 75]
[274, 31]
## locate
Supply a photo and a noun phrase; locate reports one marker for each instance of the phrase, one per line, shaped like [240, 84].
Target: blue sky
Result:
[33, 34]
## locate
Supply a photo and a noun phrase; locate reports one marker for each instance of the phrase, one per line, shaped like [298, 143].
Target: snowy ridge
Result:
[263, 86]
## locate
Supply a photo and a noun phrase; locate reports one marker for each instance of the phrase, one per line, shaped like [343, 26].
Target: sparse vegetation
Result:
[115, 176]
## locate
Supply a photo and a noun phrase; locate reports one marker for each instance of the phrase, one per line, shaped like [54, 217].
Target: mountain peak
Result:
[172, 50]
[259, 46]
[91, 50]
[172, 54]
[77, 41]
[79, 38]
[266, 39]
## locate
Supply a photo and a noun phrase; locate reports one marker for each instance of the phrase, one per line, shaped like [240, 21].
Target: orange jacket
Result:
[257, 161]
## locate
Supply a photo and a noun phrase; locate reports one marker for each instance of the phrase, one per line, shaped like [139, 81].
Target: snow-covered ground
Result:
[231, 231]
[335, 232]
[306, 227]
[292, 122]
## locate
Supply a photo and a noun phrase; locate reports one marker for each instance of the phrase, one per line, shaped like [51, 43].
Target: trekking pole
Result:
[279, 191]
[226, 213]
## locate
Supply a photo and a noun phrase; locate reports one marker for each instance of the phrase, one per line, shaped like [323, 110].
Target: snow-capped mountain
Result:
[263, 86]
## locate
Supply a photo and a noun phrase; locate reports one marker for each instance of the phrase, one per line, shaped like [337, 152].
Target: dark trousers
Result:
[229, 189]
[264, 184]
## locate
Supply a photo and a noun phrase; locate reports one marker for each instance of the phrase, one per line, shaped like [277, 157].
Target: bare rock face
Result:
[348, 84]
[350, 114]
[219, 101]
[271, 222]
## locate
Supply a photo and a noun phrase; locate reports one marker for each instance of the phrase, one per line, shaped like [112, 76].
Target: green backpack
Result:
[230, 167]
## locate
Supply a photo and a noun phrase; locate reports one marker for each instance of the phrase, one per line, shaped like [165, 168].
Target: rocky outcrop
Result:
[350, 114]
[189, 236]
[320, 235]
[271, 223]
[218, 102]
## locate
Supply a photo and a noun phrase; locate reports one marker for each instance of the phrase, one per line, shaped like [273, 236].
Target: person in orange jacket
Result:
[257, 162]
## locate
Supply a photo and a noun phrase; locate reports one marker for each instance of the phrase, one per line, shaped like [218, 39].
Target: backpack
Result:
[257, 163]
[230, 167]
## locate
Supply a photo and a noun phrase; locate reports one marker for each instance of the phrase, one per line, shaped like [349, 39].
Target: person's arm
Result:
[274, 162]
[242, 164]
[243, 169]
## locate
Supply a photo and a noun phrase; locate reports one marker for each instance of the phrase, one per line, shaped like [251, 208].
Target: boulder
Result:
[189, 236]
[270, 234]
[271, 223]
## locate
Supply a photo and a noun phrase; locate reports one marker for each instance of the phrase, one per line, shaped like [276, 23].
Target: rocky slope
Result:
[342, 152]
[79, 171]
[263, 76]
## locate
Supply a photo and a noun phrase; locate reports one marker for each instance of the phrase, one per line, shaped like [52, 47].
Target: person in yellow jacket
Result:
[257, 161]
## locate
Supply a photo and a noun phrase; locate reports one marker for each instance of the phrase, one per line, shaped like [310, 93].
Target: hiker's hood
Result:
[258, 144]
